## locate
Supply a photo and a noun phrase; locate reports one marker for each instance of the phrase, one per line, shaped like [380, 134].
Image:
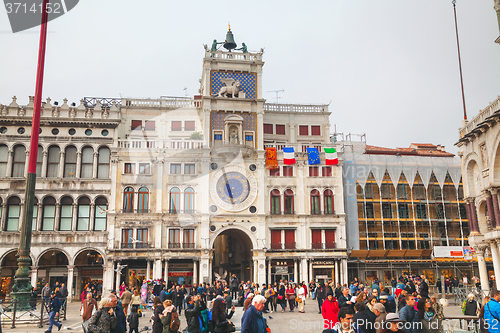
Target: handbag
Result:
[299, 300]
[292, 297]
[280, 297]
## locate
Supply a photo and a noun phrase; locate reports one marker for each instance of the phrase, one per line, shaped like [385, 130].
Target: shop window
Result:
[315, 130]
[174, 241]
[287, 171]
[175, 197]
[189, 169]
[328, 198]
[176, 125]
[136, 125]
[129, 168]
[289, 204]
[48, 213]
[66, 214]
[53, 160]
[87, 162]
[70, 162]
[128, 200]
[275, 202]
[303, 130]
[280, 129]
[83, 220]
[315, 204]
[101, 207]
[143, 202]
[327, 171]
[18, 161]
[175, 168]
[313, 171]
[144, 169]
[268, 128]
[149, 125]
[103, 163]
[189, 125]
[4, 155]
[189, 200]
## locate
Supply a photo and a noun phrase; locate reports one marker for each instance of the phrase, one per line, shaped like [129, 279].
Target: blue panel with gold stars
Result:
[233, 188]
[248, 82]
[313, 156]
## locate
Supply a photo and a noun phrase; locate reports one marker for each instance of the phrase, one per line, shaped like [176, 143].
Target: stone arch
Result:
[80, 251]
[6, 253]
[474, 179]
[482, 214]
[235, 227]
[66, 253]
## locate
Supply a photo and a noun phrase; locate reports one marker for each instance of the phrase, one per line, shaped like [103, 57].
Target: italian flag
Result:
[288, 155]
[331, 156]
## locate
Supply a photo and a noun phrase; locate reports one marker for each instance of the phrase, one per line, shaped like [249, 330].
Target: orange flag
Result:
[271, 158]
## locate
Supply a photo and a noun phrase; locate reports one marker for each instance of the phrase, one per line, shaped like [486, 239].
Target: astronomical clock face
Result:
[233, 188]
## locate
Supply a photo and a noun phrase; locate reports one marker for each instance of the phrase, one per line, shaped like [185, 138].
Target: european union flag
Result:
[313, 156]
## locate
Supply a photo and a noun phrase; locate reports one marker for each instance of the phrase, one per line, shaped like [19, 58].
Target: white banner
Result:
[448, 252]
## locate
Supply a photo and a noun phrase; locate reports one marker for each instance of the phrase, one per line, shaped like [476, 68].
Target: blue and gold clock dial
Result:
[233, 188]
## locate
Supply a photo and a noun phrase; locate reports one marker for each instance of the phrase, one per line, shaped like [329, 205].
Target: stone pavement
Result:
[287, 322]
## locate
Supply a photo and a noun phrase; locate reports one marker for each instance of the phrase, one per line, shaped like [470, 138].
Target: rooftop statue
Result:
[243, 48]
[214, 45]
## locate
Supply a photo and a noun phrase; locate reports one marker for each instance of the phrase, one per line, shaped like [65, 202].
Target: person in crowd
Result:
[193, 314]
[492, 311]
[136, 299]
[483, 327]
[301, 297]
[179, 298]
[281, 298]
[252, 320]
[345, 324]
[362, 319]
[394, 284]
[133, 320]
[410, 316]
[384, 299]
[163, 294]
[424, 287]
[402, 299]
[166, 316]
[471, 306]
[248, 301]
[241, 295]
[330, 311]
[370, 302]
[33, 298]
[234, 282]
[394, 323]
[290, 296]
[338, 291]
[379, 311]
[104, 320]
[122, 288]
[344, 300]
[88, 307]
[430, 321]
[437, 306]
[46, 291]
[126, 298]
[439, 286]
[312, 289]
[220, 319]
[155, 317]
[361, 298]
[54, 308]
[320, 296]
[376, 293]
[121, 318]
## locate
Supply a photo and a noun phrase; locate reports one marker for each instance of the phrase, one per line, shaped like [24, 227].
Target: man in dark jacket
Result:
[424, 288]
[193, 314]
[344, 300]
[363, 319]
[234, 282]
[228, 299]
[121, 318]
[179, 298]
[54, 308]
[410, 316]
[252, 320]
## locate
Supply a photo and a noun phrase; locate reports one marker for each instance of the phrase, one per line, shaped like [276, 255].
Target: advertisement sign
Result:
[282, 270]
[468, 252]
[459, 252]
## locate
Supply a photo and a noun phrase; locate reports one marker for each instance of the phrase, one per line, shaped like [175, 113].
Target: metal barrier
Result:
[38, 313]
[464, 323]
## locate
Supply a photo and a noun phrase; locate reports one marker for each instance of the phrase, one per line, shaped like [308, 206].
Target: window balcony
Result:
[188, 245]
[289, 212]
[276, 246]
[290, 246]
[138, 245]
[323, 246]
[316, 212]
[134, 211]
[174, 245]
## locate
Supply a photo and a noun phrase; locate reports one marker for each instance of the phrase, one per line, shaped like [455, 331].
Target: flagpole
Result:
[459, 59]
[21, 289]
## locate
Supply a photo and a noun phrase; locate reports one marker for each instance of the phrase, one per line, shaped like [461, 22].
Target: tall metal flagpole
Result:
[459, 60]
[22, 287]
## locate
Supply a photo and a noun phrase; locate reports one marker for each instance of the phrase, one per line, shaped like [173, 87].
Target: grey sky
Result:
[389, 67]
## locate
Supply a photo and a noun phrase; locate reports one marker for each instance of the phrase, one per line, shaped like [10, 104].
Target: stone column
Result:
[56, 218]
[117, 278]
[496, 208]
[295, 271]
[268, 263]
[94, 165]
[195, 271]
[9, 163]
[166, 271]
[303, 271]
[473, 218]
[483, 272]
[148, 269]
[159, 186]
[311, 275]
[4, 216]
[157, 269]
[60, 172]
[496, 262]
[70, 283]
[491, 213]
[39, 217]
[34, 276]
[79, 166]
[107, 276]
[261, 271]
[44, 164]
[337, 275]
[74, 217]
[92, 217]
[204, 269]
[26, 163]
[255, 269]
[210, 273]
[344, 277]
[497, 9]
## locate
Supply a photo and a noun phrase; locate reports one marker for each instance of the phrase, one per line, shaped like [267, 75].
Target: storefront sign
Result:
[323, 262]
[321, 276]
[183, 266]
[180, 273]
[282, 270]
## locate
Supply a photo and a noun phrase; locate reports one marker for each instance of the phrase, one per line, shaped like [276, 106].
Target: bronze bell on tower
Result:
[229, 44]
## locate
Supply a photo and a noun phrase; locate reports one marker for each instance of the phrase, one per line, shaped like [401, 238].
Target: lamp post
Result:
[21, 289]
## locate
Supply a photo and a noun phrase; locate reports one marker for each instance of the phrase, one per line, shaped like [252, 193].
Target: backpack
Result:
[464, 304]
[175, 323]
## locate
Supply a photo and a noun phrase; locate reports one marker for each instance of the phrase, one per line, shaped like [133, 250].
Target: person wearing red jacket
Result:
[330, 311]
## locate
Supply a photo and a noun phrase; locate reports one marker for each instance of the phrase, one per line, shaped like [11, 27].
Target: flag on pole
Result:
[313, 156]
[271, 158]
[331, 156]
[288, 155]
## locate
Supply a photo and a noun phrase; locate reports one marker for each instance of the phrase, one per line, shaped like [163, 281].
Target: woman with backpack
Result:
[220, 321]
[169, 318]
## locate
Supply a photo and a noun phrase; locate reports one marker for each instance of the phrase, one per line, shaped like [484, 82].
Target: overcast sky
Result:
[389, 68]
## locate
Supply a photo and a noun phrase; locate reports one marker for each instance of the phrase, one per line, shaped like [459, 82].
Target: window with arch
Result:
[18, 161]
[315, 203]
[87, 162]
[48, 213]
[275, 202]
[83, 221]
[39, 162]
[175, 198]
[288, 195]
[66, 214]
[128, 200]
[101, 207]
[328, 198]
[4, 157]
[189, 200]
[103, 163]
[35, 214]
[53, 159]
[143, 202]
[13, 212]
[70, 162]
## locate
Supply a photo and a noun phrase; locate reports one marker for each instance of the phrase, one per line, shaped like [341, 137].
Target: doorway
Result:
[233, 254]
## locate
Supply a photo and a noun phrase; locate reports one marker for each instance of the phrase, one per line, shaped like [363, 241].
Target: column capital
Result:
[494, 190]
[71, 267]
[480, 249]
